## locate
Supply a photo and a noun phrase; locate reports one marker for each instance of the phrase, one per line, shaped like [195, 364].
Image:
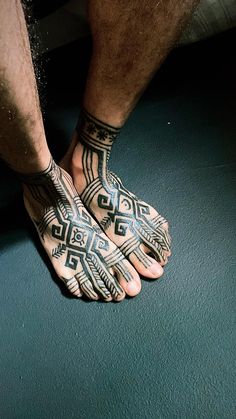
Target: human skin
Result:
[82, 256]
[130, 41]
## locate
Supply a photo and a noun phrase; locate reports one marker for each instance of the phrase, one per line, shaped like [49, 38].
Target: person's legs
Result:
[83, 257]
[130, 40]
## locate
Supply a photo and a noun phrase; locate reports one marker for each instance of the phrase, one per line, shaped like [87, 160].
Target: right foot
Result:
[82, 255]
[134, 226]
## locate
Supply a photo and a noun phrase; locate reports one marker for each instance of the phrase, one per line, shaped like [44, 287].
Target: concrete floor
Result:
[170, 352]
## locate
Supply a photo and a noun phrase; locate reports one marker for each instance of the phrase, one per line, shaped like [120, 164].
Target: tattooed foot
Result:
[134, 226]
[82, 255]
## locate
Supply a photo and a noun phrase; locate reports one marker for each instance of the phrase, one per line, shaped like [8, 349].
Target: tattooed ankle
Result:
[96, 133]
[42, 176]
[117, 210]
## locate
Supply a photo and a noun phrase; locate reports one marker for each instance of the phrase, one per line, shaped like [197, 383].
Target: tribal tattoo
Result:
[128, 221]
[82, 255]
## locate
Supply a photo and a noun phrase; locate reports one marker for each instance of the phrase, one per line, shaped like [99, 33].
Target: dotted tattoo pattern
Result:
[129, 216]
[80, 244]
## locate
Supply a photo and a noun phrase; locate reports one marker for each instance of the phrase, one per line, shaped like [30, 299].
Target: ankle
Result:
[77, 156]
[40, 177]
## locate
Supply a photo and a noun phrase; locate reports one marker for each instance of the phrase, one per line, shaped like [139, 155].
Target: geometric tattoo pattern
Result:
[123, 214]
[71, 236]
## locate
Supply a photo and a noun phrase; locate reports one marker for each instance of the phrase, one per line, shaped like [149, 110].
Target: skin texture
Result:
[22, 138]
[83, 257]
[49, 195]
[130, 41]
[134, 226]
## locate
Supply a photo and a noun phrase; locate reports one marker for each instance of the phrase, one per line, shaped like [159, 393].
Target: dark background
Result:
[170, 352]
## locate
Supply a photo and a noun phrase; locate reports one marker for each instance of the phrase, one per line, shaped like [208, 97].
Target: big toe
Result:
[145, 265]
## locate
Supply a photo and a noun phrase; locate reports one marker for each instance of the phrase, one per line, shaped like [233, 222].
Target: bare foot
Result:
[134, 226]
[83, 257]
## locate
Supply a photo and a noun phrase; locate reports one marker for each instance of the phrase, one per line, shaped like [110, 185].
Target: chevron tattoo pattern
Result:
[79, 245]
[123, 214]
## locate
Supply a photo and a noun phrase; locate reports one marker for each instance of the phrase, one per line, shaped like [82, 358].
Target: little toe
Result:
[165, 226]
[162, 238]
[73, 286]
[128, 277]
[145, 264]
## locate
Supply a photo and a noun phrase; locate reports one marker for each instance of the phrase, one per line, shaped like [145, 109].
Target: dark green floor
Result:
[170, 352]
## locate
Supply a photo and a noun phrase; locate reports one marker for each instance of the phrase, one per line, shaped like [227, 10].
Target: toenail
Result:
[133, 288]
[156, 269]
[120, 298]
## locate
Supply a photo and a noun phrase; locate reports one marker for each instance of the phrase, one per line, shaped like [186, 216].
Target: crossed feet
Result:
[102, 259]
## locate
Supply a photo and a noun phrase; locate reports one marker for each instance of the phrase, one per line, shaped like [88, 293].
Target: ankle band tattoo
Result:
[96, 133]
[39, 178]
[130, 217]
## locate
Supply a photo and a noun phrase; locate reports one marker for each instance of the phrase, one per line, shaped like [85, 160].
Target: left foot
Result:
[134, 226]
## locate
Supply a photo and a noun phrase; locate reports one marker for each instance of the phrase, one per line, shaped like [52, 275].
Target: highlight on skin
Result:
[83, 257]
[126, 220]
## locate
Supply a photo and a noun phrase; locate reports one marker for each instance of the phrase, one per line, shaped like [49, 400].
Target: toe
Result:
[99, 285]
[157, 220]
[102, 290]
[88, 290]
[128, 277]
[73, 286]
[165, 226]
[116, 292]
[161, 237]
[145, 264]
[160, 224]
[85, 284]
[158, 254]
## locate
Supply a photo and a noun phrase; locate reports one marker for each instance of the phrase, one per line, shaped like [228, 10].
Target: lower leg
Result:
[64, 226]
[22, 139]
[130, 40]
